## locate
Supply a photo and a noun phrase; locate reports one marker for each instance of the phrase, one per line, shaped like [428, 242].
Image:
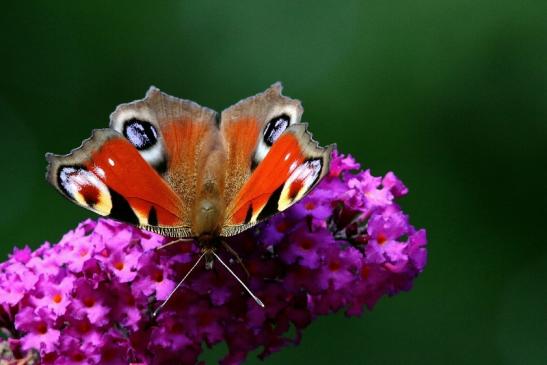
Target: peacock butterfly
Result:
[176, 168]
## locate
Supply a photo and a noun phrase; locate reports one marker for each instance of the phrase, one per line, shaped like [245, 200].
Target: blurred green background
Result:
[451, 96]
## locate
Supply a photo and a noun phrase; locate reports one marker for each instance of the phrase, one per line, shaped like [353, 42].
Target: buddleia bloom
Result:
[90, 298]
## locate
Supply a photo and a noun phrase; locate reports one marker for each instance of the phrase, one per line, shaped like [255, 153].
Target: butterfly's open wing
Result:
[249, 129]
[275, 165]
[108, 176]
[157, 145]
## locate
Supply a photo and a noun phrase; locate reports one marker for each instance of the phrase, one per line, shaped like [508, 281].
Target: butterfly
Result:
[173, 167]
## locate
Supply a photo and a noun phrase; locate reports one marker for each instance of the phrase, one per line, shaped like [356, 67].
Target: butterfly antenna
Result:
[173, 242]
[258, 301]
[155, 313]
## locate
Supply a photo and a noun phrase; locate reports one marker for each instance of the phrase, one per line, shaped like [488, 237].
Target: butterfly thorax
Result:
[208, 213]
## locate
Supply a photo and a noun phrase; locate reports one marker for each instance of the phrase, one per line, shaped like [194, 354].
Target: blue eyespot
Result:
[141, 134]
[275, 128]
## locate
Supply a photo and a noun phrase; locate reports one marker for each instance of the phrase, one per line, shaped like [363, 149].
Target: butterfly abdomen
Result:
[208, 212]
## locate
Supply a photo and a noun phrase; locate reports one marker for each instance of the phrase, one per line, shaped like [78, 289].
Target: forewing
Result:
[108, 176]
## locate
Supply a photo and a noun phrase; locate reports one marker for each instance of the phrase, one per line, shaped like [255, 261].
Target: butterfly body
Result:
[173, 167]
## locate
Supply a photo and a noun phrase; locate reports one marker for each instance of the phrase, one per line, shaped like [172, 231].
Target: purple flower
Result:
[40, 330]
[89, 299]
[337, 270]
[316, 205]
[384, 231]
[53, 296]
[153, 278]
[305, 246]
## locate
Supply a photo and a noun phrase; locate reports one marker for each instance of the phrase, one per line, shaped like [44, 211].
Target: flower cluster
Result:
[89, 299]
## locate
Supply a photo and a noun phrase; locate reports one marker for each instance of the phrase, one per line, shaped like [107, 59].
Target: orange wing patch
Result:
[284, 157]
[240, 138]
[119, 165]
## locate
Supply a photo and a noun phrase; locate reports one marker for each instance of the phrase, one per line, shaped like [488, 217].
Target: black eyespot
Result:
[274, 128]
[141, 134]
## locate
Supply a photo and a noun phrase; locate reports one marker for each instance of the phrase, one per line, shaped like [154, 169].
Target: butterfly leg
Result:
[235, 254]
[173, 242]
